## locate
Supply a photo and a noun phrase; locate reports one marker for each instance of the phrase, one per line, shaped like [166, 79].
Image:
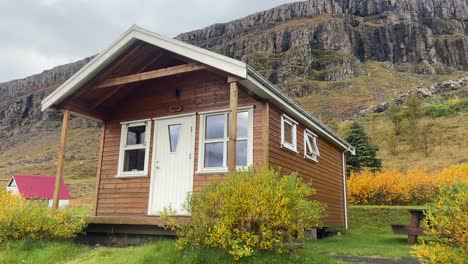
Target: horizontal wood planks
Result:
[326, 175]
[199, 91]
[205, 91]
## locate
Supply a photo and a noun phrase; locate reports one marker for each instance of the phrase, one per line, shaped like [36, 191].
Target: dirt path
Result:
[375, 260]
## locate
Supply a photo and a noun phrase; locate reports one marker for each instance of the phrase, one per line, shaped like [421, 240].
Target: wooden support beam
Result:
[84, 109]
[266, 132]
[151, 75]
[233, 104]
[98, 173]
[232, 79]
[110, 69]
[116, 89]
[61, 158]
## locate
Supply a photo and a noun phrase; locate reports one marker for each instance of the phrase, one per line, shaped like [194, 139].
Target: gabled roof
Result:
[249, 77]
[39, 187]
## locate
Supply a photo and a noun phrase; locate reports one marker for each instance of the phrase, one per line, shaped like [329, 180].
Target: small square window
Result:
[214, 126]
[134, 149]
[136, 135]
[311, 150]
[288, 133]
[214, 155]
[134, 160]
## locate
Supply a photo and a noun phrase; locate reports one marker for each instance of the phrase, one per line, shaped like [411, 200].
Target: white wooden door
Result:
[172, 174]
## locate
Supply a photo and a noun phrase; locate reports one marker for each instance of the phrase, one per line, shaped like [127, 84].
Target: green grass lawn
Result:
[369, 235]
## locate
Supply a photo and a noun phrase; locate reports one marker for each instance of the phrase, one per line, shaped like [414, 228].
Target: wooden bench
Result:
[413, 230]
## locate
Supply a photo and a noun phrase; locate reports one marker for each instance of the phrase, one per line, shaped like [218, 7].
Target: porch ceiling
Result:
[96, 101]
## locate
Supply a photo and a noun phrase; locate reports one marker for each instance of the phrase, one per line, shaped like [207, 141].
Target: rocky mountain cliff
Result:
[20, 101]
[325, 39]
[302, 46]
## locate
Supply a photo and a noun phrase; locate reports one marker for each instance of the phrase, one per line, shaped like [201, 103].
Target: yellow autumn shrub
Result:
[393, 187]
[20, 218]
[251, 211]
[446, 221]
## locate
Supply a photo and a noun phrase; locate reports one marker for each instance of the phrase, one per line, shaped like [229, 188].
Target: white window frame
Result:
[225, 140]
[293, 123]
[312, 145]
[123, 147]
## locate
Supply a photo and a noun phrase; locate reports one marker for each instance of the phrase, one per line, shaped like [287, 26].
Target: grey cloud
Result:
[37, 35]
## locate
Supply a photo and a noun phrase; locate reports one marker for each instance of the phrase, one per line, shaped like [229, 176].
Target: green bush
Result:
[20, 218]
[447, 221]
[438, 110]
[251, 211]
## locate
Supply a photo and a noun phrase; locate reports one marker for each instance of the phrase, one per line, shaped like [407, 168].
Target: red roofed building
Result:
[35, 187]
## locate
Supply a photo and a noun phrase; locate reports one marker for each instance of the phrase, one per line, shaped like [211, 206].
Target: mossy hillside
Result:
[448, 140]
[375, 83]
[36, 153]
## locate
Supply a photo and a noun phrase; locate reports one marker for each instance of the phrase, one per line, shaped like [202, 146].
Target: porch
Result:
[131, 225]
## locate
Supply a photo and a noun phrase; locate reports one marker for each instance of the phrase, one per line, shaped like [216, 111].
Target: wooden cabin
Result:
[165, 107]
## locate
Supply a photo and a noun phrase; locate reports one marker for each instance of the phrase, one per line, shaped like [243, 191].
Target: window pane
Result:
[174, 133]
[214, 154]
[136, 135]
[134, 160]
[313, 144]
[241, 153]
[242, 124]
[288, 133]
[214, 126]
[308, 146]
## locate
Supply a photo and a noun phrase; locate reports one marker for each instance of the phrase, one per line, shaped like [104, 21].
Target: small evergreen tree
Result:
[366, 154]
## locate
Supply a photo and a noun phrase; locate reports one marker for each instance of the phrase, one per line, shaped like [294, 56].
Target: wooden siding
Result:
[199, 91]
[205, 91]
[326, 174]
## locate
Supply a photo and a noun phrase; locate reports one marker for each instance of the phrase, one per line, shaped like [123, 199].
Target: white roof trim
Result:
[251, 79]
[135, 33]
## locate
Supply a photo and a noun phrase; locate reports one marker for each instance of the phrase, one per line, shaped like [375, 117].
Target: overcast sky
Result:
[40, 34]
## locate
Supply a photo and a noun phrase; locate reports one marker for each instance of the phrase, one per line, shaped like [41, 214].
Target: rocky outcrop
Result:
[421, 93]
[325, 40]
[285, 43]
[20, 100]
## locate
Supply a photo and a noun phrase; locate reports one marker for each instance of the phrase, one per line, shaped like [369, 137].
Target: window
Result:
[174, 133]
[134, 149]
[288, 133]
[311, 150]
[214, 138]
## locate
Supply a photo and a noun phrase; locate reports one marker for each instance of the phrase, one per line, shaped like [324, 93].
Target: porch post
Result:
[266, 132]
[233, 104]
[98, 173]
[61, 158]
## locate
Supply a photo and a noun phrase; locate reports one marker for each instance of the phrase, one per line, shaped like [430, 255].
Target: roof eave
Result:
[228, 65]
